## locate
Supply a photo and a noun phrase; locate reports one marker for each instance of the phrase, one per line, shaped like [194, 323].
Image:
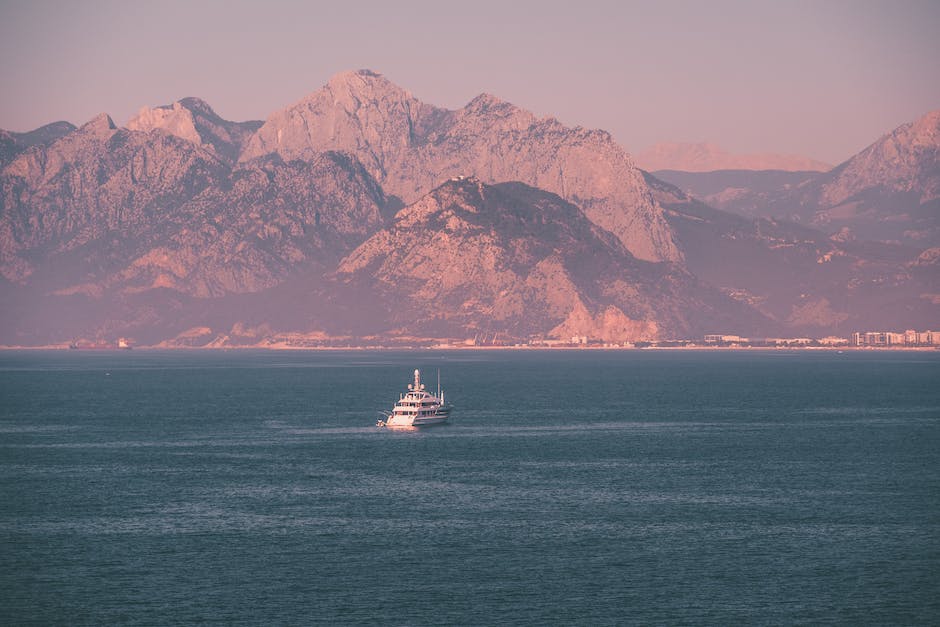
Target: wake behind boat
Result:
[417, 407]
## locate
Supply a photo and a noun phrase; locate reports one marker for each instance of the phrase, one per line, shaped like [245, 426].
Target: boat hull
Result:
[410, 421]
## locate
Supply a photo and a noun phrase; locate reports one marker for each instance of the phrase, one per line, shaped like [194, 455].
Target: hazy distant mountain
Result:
[472, 258]
[798, 276]
[410, 147]
[12, 144]
[194, 120]
[888, 192]
[745, 192]
[706, 157]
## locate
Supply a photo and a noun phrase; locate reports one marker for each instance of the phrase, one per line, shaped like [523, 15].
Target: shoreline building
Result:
[910, 337]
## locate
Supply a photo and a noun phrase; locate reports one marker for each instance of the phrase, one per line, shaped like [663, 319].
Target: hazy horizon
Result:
[820, 80]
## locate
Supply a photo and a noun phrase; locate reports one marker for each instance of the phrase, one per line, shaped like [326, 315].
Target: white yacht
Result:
[417, 407]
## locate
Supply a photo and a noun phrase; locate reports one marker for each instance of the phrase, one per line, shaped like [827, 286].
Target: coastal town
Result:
[893, 340]
[859, 339]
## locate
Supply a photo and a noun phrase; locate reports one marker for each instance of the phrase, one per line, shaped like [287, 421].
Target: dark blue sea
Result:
[571, 487]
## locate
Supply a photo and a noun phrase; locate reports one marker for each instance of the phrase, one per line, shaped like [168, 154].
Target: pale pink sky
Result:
[817, 78]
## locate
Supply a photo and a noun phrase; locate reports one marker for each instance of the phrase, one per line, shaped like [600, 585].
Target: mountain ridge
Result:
[708, 157]
[159, 233]
[13, 143]
[800, 277]
[410, 147]
[194, 120]
[470, 257]
[890, 191]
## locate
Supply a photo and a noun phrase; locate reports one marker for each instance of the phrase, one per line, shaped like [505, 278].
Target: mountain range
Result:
[707, 157]
[363, 214]
[890, 191]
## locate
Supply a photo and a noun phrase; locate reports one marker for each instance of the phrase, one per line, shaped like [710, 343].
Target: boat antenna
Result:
[438, 383]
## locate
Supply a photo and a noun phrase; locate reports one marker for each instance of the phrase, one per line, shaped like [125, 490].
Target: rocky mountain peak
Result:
[494, 112]
[191, 106]
[487, 102]
[461, 194]
[516, 259]
[409, 147]
[174, 119]
[355, 89]
[456, 198]
[888, 192]
[364, 74]
[198, 105]
[360, 112]
[46, 134]
[100, 124]
[195, 121]
[464, 182]
[906, 141]
[352, 79]
[926, 130]
[49, 159]
[12, 143]
[907, 160]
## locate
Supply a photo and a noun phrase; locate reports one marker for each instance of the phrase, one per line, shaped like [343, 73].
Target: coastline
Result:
[263, 347]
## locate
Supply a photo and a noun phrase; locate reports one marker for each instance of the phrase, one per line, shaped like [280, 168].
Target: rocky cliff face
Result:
[105, 206]
[194, 120]
[473, 258]
[410, 147]
[268, 222]
[110, 229]
[95, 190]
